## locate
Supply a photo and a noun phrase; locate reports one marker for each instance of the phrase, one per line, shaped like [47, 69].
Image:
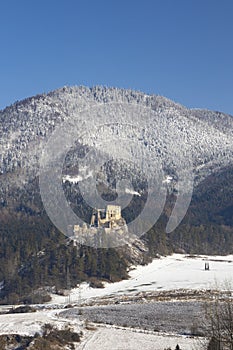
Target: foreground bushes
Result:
[50, 339]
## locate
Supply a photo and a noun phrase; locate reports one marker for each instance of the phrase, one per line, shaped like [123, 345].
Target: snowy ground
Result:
[31, 323]
[172, 273]
[123, 339]
[168, 317]
[167, 273]
[103, 337]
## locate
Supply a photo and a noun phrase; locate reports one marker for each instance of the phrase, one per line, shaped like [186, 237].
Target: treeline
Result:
[208, 239]
[34, 254]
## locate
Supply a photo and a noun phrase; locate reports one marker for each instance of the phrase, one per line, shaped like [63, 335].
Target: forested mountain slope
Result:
[32, 251]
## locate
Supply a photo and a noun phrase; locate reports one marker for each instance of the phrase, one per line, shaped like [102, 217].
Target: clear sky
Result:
[182, 49]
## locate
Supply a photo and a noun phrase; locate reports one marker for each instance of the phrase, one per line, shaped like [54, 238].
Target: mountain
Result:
[26, 125]
[168, 160]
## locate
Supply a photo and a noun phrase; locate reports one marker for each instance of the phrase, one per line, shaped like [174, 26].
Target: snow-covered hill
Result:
[132, 135]
[169, 131]
[138, 136]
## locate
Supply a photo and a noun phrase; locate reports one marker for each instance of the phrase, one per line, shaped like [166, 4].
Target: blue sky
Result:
[182, 49]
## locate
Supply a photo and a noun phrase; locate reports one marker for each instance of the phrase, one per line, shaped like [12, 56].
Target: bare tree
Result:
[219, 321]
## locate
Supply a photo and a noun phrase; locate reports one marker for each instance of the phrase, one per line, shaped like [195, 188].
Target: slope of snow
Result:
[167, 273]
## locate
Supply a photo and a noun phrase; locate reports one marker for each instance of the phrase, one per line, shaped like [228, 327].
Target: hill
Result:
[140, 140]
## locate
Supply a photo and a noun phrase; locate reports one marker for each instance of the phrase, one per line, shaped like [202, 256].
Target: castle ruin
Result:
[108, 219]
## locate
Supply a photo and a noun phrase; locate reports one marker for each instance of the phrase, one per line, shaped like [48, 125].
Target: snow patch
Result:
[168, 180]
[128, 191]
[77, 178]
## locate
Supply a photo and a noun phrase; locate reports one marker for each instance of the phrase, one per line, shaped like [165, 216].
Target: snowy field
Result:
[118, 339]
[167, 273]
[100, 339]
[168, 317]
[30, 323]
[171, 273]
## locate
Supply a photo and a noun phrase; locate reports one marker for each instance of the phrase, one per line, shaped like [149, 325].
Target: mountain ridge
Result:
[54, 108]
